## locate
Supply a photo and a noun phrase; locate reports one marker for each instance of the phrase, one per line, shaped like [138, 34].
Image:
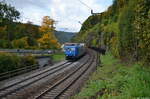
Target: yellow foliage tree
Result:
[48, 39]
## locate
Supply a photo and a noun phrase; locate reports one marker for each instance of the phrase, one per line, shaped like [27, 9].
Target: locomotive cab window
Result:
[73, 49]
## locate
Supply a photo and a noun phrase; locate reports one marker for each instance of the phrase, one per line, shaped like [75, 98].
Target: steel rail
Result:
[79, 76]
[51, 71]
[65, 79]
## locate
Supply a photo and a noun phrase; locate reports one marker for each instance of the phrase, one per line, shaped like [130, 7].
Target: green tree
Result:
[20, 43]
[8, 13]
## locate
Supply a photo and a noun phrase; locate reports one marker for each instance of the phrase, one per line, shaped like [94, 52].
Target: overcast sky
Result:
[67, 13]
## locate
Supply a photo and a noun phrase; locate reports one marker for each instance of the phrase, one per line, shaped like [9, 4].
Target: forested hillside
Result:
[124, 29]
[64, 36]
[14, 34]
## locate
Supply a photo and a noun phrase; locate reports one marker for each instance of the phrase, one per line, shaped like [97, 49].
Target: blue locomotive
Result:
[74, 51]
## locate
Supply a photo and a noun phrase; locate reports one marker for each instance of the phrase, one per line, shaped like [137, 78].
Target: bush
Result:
[9, 62]
[28, 60]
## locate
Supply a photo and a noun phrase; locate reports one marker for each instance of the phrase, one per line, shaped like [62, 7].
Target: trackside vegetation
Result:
[124, 30]
[117, 80]
[58, 57]
[9, 62]
[54, 57]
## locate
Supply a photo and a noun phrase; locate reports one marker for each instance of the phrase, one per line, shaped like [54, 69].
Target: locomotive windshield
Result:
[74, 51]
[70, 49]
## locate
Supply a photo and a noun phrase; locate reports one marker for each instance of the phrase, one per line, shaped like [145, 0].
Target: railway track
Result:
[51, 83]
[58, 90]
[20, 84]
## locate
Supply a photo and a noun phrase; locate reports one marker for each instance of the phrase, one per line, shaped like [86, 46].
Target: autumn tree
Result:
[15, 34]
[48, 39]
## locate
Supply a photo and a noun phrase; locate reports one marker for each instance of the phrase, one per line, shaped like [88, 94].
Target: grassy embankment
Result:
[58, 57]
[117, 80]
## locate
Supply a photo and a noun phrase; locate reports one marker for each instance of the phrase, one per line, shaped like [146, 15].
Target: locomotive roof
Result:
[74, 44]
[71, 44]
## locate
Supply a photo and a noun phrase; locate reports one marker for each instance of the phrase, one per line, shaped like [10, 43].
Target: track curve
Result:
[60, 87]
[51, 83]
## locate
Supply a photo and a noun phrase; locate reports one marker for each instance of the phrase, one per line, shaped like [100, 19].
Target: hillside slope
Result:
[64, 36]
[14, 34]
[29, 31]
[123, 28]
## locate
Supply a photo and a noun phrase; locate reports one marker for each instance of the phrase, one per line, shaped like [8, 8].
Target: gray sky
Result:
[67, 13]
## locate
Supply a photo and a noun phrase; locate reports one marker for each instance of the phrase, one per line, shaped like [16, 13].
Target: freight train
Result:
[74, 51]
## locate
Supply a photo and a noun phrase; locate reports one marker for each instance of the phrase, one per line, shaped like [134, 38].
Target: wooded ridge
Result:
[124, 29]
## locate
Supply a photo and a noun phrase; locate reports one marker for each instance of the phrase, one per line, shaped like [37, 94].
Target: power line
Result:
[88, 7]
[85, 4]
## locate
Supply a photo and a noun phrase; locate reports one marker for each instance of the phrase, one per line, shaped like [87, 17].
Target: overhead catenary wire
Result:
[85, 4]
[88, 7]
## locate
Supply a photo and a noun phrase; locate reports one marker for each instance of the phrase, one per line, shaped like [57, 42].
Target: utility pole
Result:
[79, 22]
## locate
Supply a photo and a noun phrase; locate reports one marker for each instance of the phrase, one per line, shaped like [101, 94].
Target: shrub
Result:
[9, 62]
[28, 60]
